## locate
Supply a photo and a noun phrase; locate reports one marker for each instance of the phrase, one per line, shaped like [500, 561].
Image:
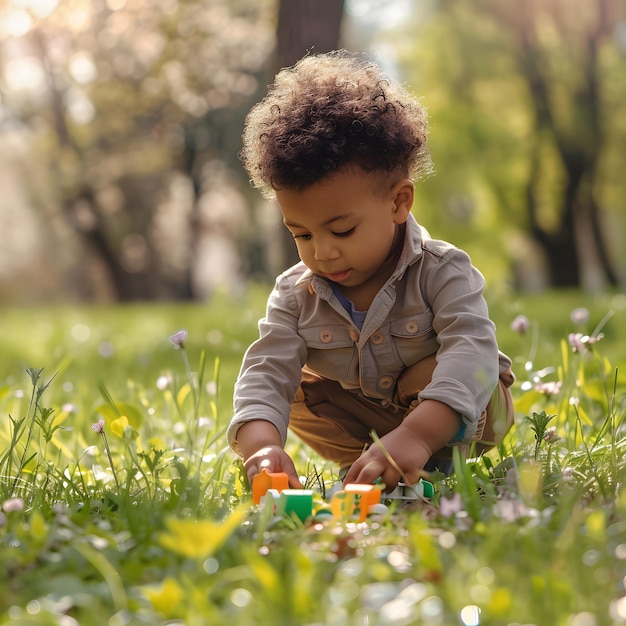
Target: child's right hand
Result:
[261, 447]
[272, 459]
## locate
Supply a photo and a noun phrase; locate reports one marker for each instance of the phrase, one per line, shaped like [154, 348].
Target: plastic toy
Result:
[353, 502]
[268, 480]
[408, 493]
[289, 502]
[298, 502]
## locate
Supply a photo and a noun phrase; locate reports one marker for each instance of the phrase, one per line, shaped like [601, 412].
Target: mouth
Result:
[337, 277]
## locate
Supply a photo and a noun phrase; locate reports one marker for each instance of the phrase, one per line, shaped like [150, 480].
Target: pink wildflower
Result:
[179, 338]
[451, 506]
[549, 388]
[520, 324]
[581, 343]
[510, 510]
[550, 435]
[575, 340]
[579, 316]
[98, 427]
[13, 504]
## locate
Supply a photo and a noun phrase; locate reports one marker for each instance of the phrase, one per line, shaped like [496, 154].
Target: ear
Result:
[402, 194]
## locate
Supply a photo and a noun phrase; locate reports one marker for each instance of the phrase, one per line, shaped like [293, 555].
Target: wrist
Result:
[257, 434]
[434, 424]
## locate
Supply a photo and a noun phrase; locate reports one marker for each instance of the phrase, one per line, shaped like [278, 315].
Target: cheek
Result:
[379, 236]
[303, 249]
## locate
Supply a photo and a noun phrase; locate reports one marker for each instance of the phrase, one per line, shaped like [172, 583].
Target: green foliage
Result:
[120, 502]
[525, 108]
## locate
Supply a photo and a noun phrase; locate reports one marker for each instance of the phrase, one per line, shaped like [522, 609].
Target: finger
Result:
[251, 472]
[352, 473]
[253, 467]
[413, 476]
[294, 481]
[370, 472]
[290, 469]
[390, 478]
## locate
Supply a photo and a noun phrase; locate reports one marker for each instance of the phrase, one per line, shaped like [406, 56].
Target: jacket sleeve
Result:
[467, 358]
[271, 369]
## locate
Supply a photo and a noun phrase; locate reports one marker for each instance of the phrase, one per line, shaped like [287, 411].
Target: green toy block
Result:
[295, 502]
[428, 489]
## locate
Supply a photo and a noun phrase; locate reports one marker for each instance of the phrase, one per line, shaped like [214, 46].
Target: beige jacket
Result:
[432, 303]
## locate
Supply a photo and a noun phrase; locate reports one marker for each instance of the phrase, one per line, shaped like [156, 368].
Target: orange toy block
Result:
[355, 501]
[268, 480]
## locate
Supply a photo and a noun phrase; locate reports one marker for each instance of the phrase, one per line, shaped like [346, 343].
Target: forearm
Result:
[434, 424]
[257, 434]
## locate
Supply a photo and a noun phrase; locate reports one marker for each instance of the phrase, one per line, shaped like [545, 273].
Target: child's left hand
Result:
[409, 455]
[403, 452]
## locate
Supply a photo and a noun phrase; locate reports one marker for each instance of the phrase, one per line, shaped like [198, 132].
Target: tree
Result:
[135, 102]
[305, 26]
[527, 95]
[576, 131]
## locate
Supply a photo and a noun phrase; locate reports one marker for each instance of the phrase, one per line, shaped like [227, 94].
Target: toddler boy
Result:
[379, 327]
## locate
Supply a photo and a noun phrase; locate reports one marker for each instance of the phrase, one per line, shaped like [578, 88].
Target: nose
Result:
[326, 250]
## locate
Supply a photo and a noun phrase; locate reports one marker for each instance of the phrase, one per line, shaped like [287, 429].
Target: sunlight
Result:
[25, 74]
[15, 23]
[80, 107]
[17, 20]
[82, 68]
[39, 8]
[389, 13]
[116, 5]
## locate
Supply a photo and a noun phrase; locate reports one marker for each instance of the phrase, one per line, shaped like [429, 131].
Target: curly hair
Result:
[327, 112]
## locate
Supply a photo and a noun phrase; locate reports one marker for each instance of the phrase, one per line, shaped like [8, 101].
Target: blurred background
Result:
[120, 126]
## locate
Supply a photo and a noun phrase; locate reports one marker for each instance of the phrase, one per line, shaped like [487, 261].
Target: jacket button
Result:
[377, 338]
[354, 335]
[386, 382]
[412, 327]
[326, 336]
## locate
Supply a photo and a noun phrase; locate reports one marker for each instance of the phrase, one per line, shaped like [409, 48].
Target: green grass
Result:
[163, 530]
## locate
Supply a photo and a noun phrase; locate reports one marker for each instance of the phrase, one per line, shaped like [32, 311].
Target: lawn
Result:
[120, 503]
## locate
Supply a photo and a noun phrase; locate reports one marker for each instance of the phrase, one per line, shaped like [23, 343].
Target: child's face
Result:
[344, 229]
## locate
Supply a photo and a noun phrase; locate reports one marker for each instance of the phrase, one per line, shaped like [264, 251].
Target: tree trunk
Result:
[597, 235]
[559, 247]
[578, 145]
[305, 26]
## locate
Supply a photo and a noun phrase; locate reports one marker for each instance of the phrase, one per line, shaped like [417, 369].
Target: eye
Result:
[305, 237]
[345, 233]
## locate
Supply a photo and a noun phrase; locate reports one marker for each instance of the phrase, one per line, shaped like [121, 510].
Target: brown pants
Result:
[337, 423]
